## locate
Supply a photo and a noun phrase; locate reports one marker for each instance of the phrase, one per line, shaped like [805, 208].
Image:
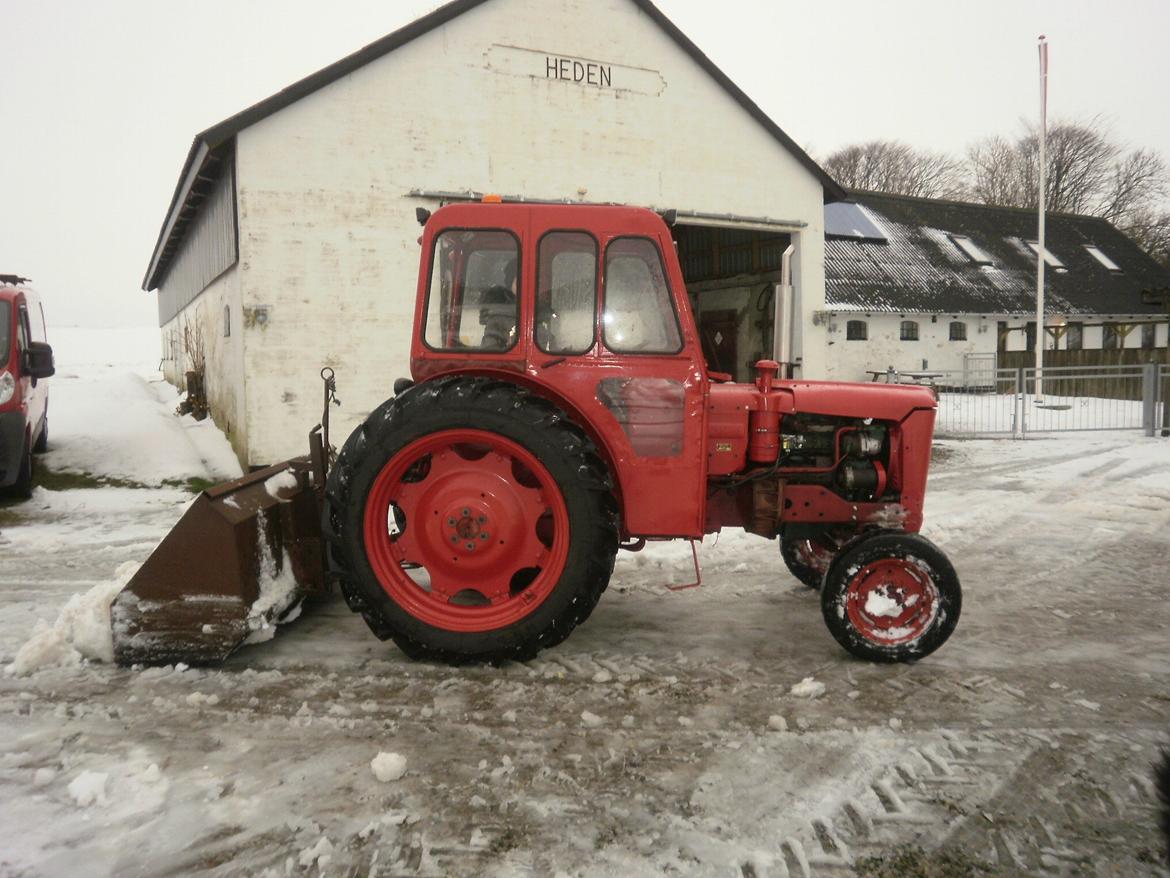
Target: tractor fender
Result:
[536, 388]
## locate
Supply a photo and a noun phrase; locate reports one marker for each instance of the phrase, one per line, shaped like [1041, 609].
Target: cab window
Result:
[566, 293]
[472, 301]
[639, 314]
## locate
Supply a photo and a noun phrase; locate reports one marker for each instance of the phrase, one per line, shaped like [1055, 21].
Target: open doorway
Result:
[730, 275]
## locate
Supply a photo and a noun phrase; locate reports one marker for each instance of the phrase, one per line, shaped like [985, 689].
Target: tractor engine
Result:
[810, 457]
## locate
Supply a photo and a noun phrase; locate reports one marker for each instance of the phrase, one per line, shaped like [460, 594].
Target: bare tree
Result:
[1087, 172]
[892, 166]
[1150, 229]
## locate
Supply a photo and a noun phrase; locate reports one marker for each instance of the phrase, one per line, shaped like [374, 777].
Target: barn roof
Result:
[916, 261]
[211, 148]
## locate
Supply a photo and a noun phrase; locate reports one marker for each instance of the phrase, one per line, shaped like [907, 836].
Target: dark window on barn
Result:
[958, 331]
[1074, 336]
[227, 321]
[1110, 337]
[856, 330]
[1147, 336]
[909, 330]
[1030, 332]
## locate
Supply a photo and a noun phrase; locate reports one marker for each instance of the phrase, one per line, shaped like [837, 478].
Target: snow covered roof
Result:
[211, 149]
[925, 262]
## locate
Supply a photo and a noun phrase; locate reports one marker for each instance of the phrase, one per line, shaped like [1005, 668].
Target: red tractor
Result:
[561, 409]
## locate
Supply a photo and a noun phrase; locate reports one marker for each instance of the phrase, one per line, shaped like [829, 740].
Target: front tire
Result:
[22, 488]
[469, 520]
[891, 598]
[42, 443]
[808, 558]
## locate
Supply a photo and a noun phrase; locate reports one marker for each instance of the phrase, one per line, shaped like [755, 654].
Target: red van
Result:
[26, 360]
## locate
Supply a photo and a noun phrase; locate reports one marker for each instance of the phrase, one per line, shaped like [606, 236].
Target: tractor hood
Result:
[885, 402]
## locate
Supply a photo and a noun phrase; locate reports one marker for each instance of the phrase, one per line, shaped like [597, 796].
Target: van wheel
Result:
[42, 444]
[22, 487]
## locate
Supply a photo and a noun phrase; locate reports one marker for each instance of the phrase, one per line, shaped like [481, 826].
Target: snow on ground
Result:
[717, 731]
[111, 413]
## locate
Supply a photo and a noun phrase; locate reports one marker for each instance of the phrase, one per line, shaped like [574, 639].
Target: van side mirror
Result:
[38, 360]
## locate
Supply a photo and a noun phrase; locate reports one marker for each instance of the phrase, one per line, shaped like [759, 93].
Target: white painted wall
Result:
[223, 356]
[850, 360]
[328, 236]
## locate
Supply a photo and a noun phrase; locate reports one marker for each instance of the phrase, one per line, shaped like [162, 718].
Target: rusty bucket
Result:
[243, 556]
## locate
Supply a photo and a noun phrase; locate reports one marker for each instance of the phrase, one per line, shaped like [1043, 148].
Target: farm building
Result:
[929, 285]
[290, 242]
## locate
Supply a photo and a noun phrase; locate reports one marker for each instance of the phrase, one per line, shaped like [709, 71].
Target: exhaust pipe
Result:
[784, 317]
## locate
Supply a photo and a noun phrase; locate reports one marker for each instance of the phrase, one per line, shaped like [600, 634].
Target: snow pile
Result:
[808, 688]
[89, 788]
[388, 767]
[281, 484]
[82, 630]
[278, 593]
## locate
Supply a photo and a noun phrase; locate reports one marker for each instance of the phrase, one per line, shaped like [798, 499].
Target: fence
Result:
[993, 401]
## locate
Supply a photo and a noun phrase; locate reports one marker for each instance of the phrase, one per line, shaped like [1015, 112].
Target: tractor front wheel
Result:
[809, 558]
[469, 520]
[891, 598]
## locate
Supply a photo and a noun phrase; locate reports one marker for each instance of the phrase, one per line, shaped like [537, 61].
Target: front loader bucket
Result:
[243, 555]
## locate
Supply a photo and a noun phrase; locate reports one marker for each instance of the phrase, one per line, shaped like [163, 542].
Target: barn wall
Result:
[850, 360]
[328, 249]
[223, 355]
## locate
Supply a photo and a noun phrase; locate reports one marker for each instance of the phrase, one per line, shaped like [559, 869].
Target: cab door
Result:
[612, 334]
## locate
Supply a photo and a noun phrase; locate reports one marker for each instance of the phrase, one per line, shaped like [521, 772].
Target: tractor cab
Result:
[586, 306]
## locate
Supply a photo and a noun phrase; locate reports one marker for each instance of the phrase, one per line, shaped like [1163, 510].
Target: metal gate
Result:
[1003, 402]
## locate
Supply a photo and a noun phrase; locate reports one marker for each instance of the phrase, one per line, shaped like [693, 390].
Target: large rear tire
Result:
[469, 520]
[891, 597]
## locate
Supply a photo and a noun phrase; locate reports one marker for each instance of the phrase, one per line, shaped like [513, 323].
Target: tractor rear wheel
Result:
[891, 597]
[469, 520]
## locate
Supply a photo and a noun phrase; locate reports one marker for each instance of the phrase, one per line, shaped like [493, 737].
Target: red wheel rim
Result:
[892, 601]
[814, 555]
[481, 517]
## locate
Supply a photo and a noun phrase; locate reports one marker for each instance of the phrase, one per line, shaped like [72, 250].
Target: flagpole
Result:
[1041, 332]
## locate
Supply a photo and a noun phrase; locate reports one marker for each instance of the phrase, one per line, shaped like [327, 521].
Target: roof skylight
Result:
[1049, 257]
[844, 220]
[970, 249]
[1096, 253]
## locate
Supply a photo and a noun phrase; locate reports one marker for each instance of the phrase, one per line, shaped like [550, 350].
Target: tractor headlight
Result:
[7, 386]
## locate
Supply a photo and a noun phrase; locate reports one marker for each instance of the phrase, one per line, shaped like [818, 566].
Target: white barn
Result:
[290, 242]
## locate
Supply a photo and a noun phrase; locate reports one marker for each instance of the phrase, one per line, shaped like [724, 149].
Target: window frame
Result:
[967, 246]
[1150, 332]
[1101, 257]
[849, 336]
[904, 325]
[963, 330]
[604, 301]
[597, 283]
[472, 352]
[1050, 258]
[1079, 328]
[1111, 330]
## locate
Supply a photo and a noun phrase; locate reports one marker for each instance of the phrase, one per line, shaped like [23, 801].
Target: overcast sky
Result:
[99, 101]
